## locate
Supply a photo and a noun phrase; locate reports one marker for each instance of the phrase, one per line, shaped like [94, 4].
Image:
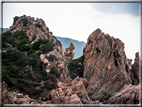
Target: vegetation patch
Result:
[76, 67]
[52, 58]
[22, 69]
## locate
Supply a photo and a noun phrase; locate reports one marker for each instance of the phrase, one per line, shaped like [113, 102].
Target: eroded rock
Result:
[69, 54]
[134, 72]
[104, 65]
[129, 94]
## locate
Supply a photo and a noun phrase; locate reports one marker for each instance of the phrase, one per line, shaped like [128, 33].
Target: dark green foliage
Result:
[52, 58]
[47, 47]
[54, 71]
[19, 35]
[13, 55]
[3, 45]
[30, 52]
[16, 18]
[17, 39]
[7, 37]
[115, 39]
[37, 44]
[75, 68]
[50, 84]
[33, 38]
[50, 76]
[25, 21]
[24, 48]
[7, 34]
[22, 62]
[54, 37]
[23, 54]
[44, 45]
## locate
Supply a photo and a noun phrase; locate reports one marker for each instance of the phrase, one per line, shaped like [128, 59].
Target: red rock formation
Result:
[104, 66]
[129, 94]
[35, 28]
[71, 93]
[69, 54]
[134, 72]
[8, 98]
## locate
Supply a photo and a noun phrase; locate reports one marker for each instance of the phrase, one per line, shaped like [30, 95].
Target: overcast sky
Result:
[79, 20]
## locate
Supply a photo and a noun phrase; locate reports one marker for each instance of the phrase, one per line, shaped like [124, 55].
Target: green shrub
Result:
[7, 37]
[6, 34]
[54, 71]
[14, 55]
[45, 41]
[25, 21]
[50, 76]
[75, 69]
[24, 48]
[3, 45]
[16, 18]
[43, 73]
[33, 38]
[30, 52]
[19, 34]
[38, 53]
[52, 58]
[35, 62]
[74, 62]
[22, 62]
[36, 44]
[47, 47]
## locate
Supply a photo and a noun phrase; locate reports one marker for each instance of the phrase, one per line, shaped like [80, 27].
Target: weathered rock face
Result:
[10, 97]
[71, 93]
[134, 72]
[104, 65]
[35, 29]
[60, 65]
[69, 54]
[129, 94]
[7, 96]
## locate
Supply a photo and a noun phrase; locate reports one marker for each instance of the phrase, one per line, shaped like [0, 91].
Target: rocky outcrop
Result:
[10, 97]
[59, 65]
[134, 72]
[35, 29]
[104, 66]
[69, 54]
[71, 93]
[129, 94]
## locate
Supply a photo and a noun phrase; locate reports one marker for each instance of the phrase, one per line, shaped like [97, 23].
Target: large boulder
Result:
[104, 65]
[129, 94]
[10, 97]
[71, 93]
[78, 86]
[7, 97]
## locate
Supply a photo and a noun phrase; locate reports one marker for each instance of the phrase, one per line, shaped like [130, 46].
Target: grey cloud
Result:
[116, 8]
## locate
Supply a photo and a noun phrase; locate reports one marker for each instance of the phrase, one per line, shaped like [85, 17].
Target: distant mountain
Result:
[2, 30]
[78, 45]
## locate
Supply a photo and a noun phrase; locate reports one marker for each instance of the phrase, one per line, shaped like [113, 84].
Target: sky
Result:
[78, 20]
